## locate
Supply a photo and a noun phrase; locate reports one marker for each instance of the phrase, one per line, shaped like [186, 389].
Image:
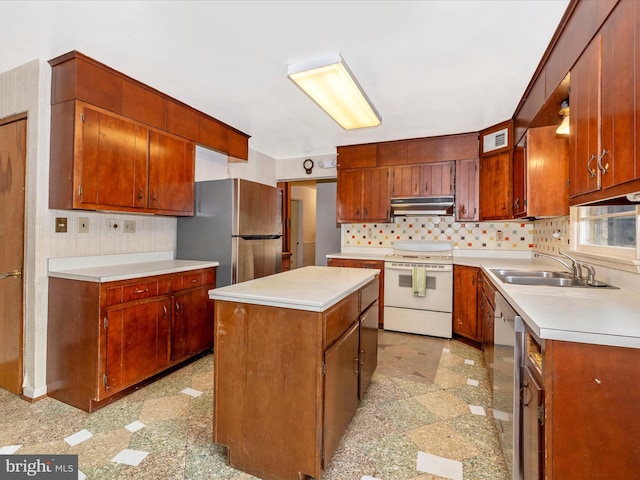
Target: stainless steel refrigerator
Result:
[237, 223]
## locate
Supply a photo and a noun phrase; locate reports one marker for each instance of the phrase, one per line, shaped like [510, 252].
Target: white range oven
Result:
[426, 309]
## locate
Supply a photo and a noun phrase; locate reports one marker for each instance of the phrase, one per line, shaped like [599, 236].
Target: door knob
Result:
[15, 274]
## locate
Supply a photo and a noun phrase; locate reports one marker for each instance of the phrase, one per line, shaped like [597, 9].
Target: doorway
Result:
[312, 231]
[13, 155]
[296, 234]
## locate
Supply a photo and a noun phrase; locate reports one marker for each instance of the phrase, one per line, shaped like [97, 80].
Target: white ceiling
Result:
[430, 67]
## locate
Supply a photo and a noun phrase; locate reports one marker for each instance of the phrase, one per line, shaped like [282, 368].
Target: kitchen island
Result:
[294, 354]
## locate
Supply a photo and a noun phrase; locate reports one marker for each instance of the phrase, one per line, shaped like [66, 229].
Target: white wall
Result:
[328, 232]
[290, 169]
[212, 165]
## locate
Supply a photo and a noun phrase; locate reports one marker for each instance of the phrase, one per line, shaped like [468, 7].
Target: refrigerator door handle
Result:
[259, 237]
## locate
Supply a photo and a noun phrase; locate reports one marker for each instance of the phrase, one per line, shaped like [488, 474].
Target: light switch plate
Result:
[61, 224]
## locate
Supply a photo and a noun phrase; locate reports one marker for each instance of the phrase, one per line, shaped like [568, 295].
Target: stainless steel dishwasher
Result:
[508, 363]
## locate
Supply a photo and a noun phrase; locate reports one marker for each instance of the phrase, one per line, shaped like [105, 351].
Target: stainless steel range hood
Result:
[436, 205]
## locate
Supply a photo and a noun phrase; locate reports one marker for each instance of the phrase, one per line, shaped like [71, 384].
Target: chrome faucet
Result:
[591, 272]
[574, 268]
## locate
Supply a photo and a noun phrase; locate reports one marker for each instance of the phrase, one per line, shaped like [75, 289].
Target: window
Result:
[608, 230]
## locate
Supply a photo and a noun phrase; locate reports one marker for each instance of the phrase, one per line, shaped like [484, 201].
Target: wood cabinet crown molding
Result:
[77, 76]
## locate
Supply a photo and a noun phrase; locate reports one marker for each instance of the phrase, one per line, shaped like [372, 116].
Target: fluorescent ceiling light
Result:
[330, 84]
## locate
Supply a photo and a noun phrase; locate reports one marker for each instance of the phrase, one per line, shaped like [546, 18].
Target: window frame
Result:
[625, 254]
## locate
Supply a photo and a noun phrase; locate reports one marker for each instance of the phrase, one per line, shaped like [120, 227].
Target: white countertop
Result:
[358, 256]
[310, 288]
[110, 268]
[588, 315]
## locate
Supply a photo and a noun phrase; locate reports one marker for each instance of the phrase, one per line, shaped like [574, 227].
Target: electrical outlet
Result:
[113, 225]
[129, 226]
[83, 225]
[499, 236]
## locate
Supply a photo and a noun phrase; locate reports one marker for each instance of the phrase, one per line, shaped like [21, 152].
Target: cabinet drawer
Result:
[369, 294]
[192, 279]
[340, 317]
[134, 291]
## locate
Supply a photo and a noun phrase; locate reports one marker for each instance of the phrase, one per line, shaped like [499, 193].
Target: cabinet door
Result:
[191, 323]
[424, 150]
[584, 121]
[340, 388]
[392, 153]
[465, 302]
[467, 190]
[532, 427]
[376, 195]
[357, 156]
[495, 187]
[171, 173]
[349, 196]
[368, 346]
[619, 102]
[112, 162]
[547, 172]
[519, 182]
[137, 342]
[406, 181]
[437, 179]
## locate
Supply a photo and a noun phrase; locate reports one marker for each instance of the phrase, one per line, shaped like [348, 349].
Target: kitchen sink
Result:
[548, 278]
[531, 273]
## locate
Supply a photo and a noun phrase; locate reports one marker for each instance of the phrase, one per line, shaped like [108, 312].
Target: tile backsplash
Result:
[464, 235]
[551, 235]
[546, 235]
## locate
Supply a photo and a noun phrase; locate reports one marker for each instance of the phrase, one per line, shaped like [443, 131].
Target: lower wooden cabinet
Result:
[465, 303]
[591, 399]
[486, 313]
[137, 342]
[368, 353]
[360, 263]
[106, 337]
[532, 425]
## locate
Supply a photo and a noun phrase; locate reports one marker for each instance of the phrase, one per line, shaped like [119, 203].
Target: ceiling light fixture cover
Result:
[330, 83]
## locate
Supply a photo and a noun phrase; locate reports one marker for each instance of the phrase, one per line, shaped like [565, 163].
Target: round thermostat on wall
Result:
[308, 165]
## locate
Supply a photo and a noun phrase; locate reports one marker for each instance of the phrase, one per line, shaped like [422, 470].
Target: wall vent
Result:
[495, 140]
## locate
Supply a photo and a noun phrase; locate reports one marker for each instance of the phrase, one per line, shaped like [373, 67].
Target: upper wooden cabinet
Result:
[541, 174]
[370, 174]
[423, 180]
[428, 150]
[363, 195]
[496, 172]
[103, 161]
[78, 77]
[357, 156]
[604, 115]
[467, 190]
[495, 187]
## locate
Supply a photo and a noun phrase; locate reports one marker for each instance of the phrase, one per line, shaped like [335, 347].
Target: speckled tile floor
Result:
[418, 401]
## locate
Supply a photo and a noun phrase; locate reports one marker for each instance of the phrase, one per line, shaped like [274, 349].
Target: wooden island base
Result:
[287, 381]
